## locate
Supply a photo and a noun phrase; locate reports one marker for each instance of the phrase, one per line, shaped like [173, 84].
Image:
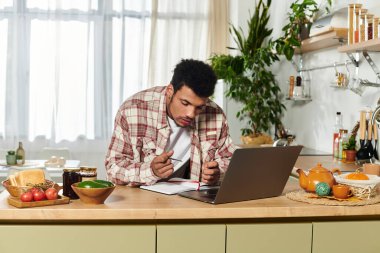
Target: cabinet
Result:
[286, 237]
[208, 238]
[347, 237]
[78, 238]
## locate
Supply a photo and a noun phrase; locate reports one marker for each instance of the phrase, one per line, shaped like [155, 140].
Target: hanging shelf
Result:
[331, 38]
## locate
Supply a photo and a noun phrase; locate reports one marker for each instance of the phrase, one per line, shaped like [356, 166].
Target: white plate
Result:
[373, 180]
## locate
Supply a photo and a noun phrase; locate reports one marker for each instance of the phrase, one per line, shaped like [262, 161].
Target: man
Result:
[171, 131]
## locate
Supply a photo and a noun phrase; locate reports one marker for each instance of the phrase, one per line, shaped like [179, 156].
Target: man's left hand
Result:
[210, 173]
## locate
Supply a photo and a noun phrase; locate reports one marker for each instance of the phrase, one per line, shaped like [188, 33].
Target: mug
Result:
[341, 191]
[371, 168]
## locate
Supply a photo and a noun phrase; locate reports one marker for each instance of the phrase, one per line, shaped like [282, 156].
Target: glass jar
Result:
[69, 177]
[362, 27]
[88, 173]
[375, 27]
[369, 26]
[357, 24]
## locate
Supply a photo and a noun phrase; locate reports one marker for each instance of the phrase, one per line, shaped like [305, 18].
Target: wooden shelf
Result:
[370, 45]
[325, 40]
[298, 99]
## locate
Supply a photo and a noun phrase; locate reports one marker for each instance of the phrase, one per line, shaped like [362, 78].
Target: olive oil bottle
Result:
[20, 154]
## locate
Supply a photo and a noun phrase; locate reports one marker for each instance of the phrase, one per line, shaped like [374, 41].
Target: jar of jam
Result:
[70, 176]
[88, 173]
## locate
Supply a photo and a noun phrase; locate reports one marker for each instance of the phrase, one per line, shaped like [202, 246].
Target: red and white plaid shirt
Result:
[141, 132]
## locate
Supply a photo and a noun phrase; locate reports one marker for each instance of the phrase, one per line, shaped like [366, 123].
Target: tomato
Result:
[26, 197]
[39, 195]
[34, 189]
[51, 193]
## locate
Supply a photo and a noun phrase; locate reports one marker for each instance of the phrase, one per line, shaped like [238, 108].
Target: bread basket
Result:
[16, 191]
[363, 189]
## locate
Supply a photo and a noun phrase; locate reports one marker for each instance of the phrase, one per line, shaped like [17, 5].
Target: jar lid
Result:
[71, 170]
[87, 168]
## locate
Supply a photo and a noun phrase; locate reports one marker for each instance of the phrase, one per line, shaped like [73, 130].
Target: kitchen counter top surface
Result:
[134, 204]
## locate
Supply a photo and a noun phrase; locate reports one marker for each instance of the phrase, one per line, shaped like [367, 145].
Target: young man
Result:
[171, 131]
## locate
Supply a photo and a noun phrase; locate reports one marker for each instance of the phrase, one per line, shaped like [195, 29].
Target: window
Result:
[66, 66]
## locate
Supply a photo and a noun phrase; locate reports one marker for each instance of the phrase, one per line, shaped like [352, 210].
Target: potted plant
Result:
[249, 78]
[298, 28]
[350, 148]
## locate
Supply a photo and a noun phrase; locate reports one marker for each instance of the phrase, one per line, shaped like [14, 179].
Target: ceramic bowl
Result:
[92, 195]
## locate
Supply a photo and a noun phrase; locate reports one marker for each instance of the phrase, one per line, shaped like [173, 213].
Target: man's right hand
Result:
[162, 166]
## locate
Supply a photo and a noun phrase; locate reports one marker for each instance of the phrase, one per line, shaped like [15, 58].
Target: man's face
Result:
[184, 105]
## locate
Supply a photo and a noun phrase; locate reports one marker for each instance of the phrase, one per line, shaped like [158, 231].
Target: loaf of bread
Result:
[12, 180]
[27, 177]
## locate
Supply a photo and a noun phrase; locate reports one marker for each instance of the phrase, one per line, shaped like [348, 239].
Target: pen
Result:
[175, 159]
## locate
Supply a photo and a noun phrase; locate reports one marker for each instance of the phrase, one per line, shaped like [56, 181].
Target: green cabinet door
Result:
[77, 238]
[268, 238]
[347, 237]
[191, 238]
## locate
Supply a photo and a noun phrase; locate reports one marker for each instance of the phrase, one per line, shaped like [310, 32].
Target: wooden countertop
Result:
[134, 204]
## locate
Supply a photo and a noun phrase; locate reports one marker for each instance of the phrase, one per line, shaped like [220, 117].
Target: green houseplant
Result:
[350, 146]
[300, 18]
[249, 79]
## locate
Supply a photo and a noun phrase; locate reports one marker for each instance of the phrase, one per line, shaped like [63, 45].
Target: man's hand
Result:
[210, 173]
[162, 166]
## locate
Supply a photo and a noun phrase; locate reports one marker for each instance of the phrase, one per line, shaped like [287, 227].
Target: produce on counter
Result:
[95, 184]
[38, 194]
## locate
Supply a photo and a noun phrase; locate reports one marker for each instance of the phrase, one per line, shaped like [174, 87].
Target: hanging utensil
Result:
[375, 154]
[362, 153]
[369, 136]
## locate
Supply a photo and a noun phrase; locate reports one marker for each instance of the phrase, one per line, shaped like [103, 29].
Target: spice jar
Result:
[375, 27]
[70, 176]
[88, 173]
[357, 24]
[369, 26]
[363, 27]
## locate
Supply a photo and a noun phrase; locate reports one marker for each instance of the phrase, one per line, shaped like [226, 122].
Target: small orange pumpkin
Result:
[357, 175]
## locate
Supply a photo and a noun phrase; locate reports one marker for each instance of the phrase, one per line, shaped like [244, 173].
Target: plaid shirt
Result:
[142, 131]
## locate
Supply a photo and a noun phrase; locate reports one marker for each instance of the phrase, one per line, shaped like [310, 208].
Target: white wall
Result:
[313, 121]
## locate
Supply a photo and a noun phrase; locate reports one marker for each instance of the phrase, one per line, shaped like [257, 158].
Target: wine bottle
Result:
[20, 154]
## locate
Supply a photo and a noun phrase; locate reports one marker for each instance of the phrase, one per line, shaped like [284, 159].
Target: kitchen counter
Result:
[131, 204]
[144, 221]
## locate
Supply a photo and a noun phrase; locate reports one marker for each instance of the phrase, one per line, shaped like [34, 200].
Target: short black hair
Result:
[196, 75]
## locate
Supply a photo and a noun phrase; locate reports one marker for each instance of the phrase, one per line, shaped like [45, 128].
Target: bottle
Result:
[336, 145]
[338, 125]
[342, 143]
[298, 89]
[291, 86]
[20, 154]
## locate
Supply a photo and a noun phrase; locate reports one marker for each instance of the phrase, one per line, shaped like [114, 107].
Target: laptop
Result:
[253, 173]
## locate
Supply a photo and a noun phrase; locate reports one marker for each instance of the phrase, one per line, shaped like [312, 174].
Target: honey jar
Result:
[88, 173]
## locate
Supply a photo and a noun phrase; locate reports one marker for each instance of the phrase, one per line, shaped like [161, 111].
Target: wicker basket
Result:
[363, 189]
[16, 191]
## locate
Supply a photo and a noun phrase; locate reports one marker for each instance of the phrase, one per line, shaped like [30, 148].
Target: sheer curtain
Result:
[66, 66]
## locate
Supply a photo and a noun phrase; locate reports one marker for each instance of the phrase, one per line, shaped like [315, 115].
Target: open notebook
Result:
[174, 186]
